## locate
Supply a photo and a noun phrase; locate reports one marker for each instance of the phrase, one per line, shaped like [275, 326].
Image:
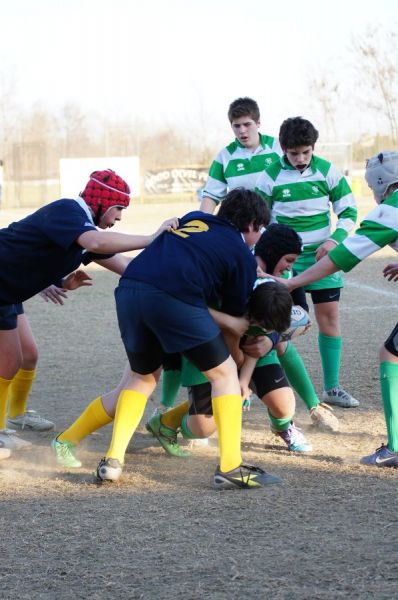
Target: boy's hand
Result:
[391, 272]
[77, 279]
[54, 294]
[167, 226]
[324, 249]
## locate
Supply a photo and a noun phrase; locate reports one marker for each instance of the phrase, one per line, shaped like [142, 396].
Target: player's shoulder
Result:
[272, 171]
[322, 165]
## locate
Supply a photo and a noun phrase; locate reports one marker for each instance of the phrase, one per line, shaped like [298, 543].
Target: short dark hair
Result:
[297, 131]
[277, 241]
[242, 207]
[270, 305]
[242, 107]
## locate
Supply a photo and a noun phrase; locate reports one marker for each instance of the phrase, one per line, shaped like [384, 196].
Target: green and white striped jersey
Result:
[303, 200]
[237, 166]
[378, 229]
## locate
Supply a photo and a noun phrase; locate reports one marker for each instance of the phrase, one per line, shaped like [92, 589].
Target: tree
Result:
[376, 54]
[326, 91]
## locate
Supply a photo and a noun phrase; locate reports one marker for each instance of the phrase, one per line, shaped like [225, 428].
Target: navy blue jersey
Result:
[204, 260]
[41, 249]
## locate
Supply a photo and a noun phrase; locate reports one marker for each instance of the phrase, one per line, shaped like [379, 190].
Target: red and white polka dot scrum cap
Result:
[105, 190]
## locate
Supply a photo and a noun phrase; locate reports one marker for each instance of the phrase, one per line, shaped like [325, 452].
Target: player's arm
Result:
[117, 264]
[245, 375]
[100, 242]
[208, 205]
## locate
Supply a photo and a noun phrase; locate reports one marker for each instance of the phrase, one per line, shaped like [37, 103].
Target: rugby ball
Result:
[299, 323]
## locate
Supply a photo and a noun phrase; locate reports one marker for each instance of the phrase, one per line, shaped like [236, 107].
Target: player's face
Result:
[246, 131]
[110, 217]
[299, 157]
[252, 235]
[284, 264]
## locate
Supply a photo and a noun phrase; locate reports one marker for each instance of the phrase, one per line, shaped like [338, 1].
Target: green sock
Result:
[186, 432]
[279, 424]
[171, 382]
[389, 394]
[330, 349]
[298, 377]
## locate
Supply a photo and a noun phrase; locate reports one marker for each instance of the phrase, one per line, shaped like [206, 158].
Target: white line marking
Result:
[369, 288]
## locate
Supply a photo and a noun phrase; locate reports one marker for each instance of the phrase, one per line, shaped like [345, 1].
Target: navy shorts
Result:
[8, 316]
[153, 323]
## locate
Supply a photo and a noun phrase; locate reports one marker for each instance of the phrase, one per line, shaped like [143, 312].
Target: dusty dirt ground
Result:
[328, 532]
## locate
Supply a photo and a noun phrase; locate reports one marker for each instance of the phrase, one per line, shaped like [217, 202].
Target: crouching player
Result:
[162, 303]
[379, 228]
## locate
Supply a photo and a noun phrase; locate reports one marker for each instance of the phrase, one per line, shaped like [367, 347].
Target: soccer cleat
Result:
[339, 397]
[11, 441]
[64, 454]
[383, 457]
[166, 436]
[294, 439]
[322, 417]
[30, 420]
[244, 477]
[109, 469]
[4, 452]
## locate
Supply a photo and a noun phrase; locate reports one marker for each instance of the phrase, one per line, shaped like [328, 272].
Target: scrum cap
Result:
[277, 241]
[105, 190]
[381, 172]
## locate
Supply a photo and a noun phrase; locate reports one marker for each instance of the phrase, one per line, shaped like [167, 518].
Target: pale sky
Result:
[181, 62]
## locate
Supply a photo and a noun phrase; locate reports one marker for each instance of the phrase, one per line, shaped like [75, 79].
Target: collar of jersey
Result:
[86, 209]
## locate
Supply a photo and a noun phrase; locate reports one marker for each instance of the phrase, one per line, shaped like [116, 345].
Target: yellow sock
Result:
[227, 411]
[172, 418]
[19, 392]
[129, 411]
[4, 387]
[92, 418]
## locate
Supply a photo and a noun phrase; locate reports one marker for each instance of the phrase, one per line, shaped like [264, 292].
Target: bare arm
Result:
[100, 242]
[208, 205]
[323, 267]
[245, 375]
[117, 264]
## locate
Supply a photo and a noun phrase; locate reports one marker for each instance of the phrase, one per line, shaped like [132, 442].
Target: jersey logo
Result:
[315, 189]
[268, 161]
[195, 226]
[286, 193]
[240, 167]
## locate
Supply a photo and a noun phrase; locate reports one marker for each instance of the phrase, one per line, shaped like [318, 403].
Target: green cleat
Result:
[166, 436]
[64, 454]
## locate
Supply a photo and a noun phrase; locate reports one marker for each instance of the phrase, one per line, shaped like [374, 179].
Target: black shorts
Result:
[268, 378]
[321, 296]
[9, 316]
[391, 344]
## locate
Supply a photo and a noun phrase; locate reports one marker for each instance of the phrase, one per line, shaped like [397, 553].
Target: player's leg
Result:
[97, 414]
[297, 375]
[326, 307]
[18, 414]
[136, 304]
[170, 381]
[387, 456]
[10, 363]
[273, 389]
[214, 361]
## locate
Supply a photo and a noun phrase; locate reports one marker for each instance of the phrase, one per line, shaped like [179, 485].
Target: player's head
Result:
[270, 306]
[382, 174]
[297, 137]
[247, 211]
[278, 248]
[105, 191]
[244, 116]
